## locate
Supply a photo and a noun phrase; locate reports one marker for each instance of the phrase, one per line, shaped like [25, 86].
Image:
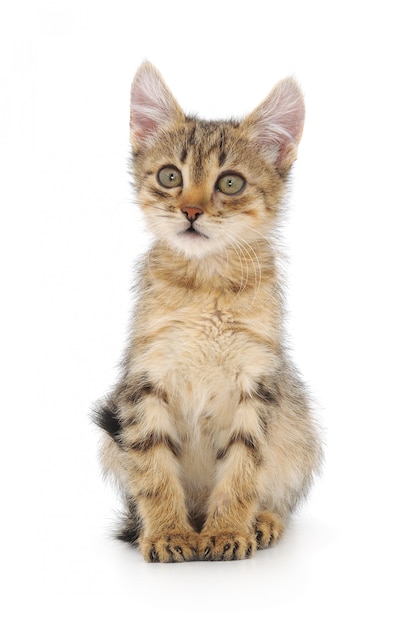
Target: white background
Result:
[70, 232]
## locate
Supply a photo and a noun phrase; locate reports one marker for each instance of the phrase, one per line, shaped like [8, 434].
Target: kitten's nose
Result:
[192, 212]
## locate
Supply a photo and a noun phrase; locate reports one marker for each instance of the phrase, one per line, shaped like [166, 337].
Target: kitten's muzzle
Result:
[192, 213]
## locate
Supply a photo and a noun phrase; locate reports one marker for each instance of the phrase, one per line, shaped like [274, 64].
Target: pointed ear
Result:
[152, 106]
[276, 124]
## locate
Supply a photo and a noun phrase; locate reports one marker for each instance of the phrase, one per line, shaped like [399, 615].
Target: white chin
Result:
[193, 245]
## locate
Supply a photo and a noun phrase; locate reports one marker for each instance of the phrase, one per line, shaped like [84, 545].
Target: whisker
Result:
[237, 249]
[257, 276]
[225, 252]
[268, 239]
[242, 248]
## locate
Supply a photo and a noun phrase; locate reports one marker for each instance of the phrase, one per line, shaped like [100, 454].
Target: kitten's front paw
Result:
[268, 528]
[169, 547]
[226, 546]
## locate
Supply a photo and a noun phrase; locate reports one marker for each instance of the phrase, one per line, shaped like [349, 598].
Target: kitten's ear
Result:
[276, 124]
[152, 106]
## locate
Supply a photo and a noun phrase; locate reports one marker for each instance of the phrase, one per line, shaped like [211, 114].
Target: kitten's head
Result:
[206, 187]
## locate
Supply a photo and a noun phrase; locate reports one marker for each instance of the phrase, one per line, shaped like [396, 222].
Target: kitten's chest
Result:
[198, 339]
[205, 354]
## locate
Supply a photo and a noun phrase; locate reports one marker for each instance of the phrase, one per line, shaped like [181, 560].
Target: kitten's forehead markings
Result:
[201, 143]
[193, 161]
[200, 178]
[222, 156]
[187, 143]
[184, 154]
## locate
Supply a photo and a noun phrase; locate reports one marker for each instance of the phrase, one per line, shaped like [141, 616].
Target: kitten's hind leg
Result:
[268, 528]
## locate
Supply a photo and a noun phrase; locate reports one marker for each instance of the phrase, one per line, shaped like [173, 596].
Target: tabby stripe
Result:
[134, 391]
[159, 192]
[267, 395]
[247, 440]
[148, 494]
[221, 159]
[222, 155]
[153, 440]
[184, 154]
[191, 136]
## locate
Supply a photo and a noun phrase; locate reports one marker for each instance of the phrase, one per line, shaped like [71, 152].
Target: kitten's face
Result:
[205, 187]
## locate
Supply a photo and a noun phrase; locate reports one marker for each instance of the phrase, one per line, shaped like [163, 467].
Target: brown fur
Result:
[208, 431]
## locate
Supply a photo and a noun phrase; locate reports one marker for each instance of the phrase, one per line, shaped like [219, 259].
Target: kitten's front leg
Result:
[230, 529]
[153, 451]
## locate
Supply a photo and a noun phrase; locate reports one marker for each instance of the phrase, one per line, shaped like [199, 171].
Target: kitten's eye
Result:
[230, 183]
[169, 177]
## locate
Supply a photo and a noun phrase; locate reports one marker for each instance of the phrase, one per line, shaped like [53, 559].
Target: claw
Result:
[153, 555]
[236, 546]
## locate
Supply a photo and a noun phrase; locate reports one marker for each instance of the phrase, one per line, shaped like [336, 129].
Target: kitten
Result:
[208, 431]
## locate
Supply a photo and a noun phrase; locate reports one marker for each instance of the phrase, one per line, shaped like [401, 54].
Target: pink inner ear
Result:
[152, 104]
[278, 120]
[143, 114]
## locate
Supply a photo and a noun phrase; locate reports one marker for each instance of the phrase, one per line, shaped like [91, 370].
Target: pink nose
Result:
[192, 212]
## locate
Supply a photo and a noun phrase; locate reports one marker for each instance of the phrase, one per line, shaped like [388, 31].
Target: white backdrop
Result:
[70, 232]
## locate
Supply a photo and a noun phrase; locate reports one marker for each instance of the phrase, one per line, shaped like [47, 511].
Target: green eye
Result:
[169, 177]
[230, 183]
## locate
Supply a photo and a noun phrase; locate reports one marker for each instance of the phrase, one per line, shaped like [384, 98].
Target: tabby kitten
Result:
[208, 432]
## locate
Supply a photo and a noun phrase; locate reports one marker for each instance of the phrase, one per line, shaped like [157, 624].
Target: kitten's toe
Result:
[268, 529]
[169, 548]
[226, 546]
